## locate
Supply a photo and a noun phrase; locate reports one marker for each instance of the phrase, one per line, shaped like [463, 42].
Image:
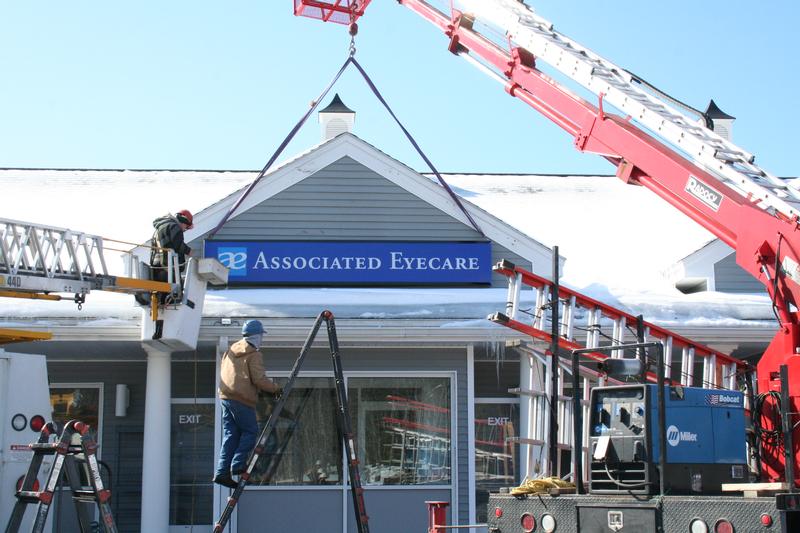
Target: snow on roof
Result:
[618, 239]
[117, 204]
[613, 234]
[453, 306]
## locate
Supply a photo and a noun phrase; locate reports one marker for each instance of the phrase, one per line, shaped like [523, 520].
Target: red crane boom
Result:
[707, 178]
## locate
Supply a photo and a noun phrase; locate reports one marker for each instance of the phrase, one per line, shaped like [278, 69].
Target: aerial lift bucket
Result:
[338, 11]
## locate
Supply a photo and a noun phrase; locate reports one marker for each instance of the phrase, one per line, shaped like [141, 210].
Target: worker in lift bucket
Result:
[168, 236]
[241, 377]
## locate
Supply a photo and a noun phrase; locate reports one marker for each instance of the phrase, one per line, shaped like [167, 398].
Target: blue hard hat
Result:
[252, 327]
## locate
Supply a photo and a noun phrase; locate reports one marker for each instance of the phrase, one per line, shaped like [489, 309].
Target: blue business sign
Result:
[354, 263]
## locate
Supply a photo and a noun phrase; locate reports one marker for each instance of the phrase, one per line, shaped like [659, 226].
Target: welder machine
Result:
[705, 440]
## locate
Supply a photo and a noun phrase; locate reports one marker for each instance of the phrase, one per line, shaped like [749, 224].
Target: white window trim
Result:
[497, 400]
[100, 399]
[470, 434]
[192, 401]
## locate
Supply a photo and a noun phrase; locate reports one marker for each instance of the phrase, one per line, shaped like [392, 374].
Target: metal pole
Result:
[641, 352]
[750, 379]
[437, 516]
[786, 422]
[554, 303]
[577, 426]
[662, 420]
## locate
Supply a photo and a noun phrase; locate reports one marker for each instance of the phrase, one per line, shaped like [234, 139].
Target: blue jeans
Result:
[239, 433]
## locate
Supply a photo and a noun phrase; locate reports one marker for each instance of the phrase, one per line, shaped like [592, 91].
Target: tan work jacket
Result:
[242, 374]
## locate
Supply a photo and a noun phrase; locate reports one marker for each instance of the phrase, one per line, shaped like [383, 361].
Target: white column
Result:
[220, 495]
[155, 460]
[525, 414]
[471, 430]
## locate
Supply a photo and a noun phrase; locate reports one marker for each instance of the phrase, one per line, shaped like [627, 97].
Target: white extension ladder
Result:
[40, 259]
[729, 163]
[589, 323]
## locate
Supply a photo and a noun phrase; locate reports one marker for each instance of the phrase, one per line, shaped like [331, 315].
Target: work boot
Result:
[225, 480]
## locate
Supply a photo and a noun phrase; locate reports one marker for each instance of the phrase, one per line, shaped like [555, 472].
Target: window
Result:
[191, 461]
[495, 454]
[305, 448]
[78, 402]
[402, 427]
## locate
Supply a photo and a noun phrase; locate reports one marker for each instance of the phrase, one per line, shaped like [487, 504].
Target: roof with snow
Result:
[618, 239]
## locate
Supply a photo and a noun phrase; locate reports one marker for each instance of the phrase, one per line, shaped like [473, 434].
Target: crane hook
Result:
[353, 30]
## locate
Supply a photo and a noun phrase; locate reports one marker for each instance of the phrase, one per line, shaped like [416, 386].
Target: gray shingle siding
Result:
[348, 201]
[730, 277]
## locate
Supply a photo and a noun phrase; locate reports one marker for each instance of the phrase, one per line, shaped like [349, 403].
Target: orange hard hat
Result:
[185, 217]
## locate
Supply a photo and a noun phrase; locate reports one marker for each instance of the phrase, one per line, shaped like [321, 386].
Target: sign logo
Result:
[676, 436]
[723, 399]
[615, 520]
[235, 259]
[704, 193]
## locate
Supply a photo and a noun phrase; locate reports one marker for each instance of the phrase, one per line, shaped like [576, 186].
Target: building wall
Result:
[120, 446]
[730, 277]
[112, 363]
[348, 201]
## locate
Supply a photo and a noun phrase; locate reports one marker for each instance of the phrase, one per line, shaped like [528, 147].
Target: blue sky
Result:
[217, 85]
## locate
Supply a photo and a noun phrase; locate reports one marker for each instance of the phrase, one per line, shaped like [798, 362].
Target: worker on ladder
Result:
[241, 376]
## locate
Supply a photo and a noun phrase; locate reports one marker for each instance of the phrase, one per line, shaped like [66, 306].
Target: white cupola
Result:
[335, 119]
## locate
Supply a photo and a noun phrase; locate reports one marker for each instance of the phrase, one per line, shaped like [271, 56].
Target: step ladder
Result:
[74, 451]
[589, 323]
[39, 261]
[344, 425]
[729, 163]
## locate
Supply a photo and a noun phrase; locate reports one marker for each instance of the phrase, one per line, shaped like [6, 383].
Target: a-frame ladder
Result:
[344, 425]
[73, 449]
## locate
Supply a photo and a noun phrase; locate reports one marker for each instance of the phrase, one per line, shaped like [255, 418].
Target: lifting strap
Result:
[350, 60]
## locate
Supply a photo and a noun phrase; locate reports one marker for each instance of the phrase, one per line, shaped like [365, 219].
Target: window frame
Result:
[453, 424]
[345, 486]
[485, 400]
[338, 486]
[100, 400]
[200, 400]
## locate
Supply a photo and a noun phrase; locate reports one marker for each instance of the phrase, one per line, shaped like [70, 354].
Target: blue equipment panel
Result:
[704, 426]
